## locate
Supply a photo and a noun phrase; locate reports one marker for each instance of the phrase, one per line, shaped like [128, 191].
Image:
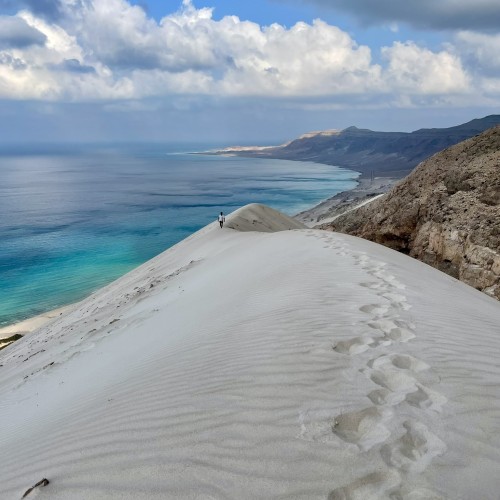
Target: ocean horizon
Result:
[75, 218]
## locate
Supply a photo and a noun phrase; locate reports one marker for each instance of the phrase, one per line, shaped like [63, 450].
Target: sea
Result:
[75, 218]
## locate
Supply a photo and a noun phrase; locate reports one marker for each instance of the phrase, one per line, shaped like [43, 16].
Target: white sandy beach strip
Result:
[245, 363]
[326, 220]
[31, 324]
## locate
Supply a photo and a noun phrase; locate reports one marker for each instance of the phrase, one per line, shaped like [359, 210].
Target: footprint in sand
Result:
[356, 345]
[360, 344]
[388, 289]
[377, 485]
[394, 380]
[415, 450]
[387, 286]
[382, 397]
[385, 279]
[426, 399]
[397, 300]
[375, 285]
[396, 374]
[365, 428]
[381, 287]
[396, 330]
[376, 309]
[402, 361]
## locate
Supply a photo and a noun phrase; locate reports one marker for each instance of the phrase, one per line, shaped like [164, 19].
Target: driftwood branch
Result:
[43, 482]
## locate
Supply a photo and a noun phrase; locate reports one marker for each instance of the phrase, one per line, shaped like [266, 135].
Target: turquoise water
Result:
[73, 220]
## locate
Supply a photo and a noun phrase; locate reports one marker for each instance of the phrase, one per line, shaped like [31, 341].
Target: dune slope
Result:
[248, 364]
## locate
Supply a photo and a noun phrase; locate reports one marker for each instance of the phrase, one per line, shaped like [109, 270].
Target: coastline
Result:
[365, 191]
[368, 188]
[31, 324]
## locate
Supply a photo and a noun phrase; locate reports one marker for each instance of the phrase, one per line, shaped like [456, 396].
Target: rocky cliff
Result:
[382, 154]
[445, 213]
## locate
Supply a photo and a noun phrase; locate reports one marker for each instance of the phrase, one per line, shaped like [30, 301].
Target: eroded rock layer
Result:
[445, 213]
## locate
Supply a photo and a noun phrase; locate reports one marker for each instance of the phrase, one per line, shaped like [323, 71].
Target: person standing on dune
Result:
[222, 219]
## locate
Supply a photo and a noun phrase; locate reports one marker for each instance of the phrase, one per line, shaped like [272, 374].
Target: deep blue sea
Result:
[73, 219]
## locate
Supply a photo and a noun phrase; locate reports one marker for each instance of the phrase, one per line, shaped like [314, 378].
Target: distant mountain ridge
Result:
[386, 154]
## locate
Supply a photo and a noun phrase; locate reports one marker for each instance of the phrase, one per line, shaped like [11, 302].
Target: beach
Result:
[367, 190]
[264, 359]
[29, 325]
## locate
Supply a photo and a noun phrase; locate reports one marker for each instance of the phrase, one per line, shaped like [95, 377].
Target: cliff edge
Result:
[445, 213]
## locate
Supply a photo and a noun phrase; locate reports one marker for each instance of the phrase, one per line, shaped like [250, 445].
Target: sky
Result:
[260, 71]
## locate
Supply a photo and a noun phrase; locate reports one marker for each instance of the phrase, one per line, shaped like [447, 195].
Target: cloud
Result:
[50, 9]
[315, 59]
[58, 70]
[418, 70]
[111, 50]
[188, 52]
[16, 33]
[481, 54]
[480, 50]
[478, 15]
[13, 63]
[122, 36]
[73, 66]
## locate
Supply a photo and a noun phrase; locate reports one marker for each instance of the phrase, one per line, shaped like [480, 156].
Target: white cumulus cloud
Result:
[110, 49]
[418, 70]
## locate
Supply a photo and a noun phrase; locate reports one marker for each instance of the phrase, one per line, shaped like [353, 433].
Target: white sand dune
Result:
[248, 364]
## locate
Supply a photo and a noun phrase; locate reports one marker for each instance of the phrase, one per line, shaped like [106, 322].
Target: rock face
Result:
[445, 213]
[385, 154]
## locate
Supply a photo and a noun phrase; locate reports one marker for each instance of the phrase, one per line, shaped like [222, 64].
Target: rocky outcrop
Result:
[445, 213]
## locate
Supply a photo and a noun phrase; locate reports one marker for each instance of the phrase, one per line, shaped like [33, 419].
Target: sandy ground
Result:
[366, 191]
[262, 360]
[31, 324]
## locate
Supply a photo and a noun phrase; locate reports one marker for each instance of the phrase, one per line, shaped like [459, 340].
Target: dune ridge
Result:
[280, 363]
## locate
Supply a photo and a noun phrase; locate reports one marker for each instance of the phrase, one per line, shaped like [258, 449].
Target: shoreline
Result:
[29, 325]
[368, 188]
[365, 191]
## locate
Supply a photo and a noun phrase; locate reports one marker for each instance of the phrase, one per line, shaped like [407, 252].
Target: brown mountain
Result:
[385, 154]
[445, 213]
